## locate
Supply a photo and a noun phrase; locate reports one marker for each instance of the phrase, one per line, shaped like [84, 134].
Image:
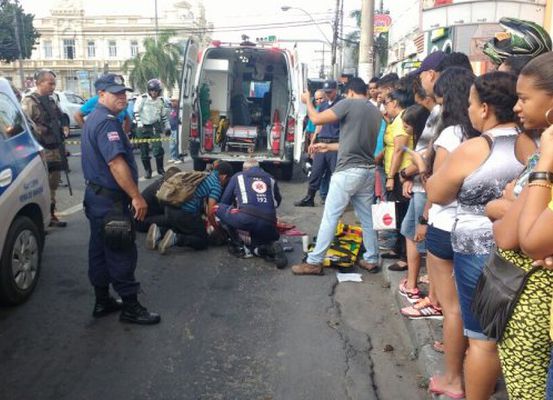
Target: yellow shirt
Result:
[394, 130]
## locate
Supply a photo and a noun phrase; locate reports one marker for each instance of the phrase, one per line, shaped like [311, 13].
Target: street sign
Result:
[382, 23]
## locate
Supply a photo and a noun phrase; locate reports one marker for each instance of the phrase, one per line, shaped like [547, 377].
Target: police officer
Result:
[111, 197]
[256, 195]
[323, 163]
[151, 117]
[46, 115]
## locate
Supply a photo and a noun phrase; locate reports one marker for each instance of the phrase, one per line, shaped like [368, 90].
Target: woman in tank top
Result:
[474, 174]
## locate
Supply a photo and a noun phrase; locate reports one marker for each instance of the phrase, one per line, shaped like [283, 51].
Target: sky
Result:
[232, 13]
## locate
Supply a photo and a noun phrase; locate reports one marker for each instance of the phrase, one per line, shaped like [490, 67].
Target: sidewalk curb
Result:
[422, 333]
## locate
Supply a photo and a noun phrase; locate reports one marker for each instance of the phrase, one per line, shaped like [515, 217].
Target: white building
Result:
[78, 47]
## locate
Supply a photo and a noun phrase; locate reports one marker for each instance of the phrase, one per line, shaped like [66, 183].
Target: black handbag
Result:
[497, 293]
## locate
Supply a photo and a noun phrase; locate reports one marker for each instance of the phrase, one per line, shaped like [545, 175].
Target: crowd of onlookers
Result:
[469, 162]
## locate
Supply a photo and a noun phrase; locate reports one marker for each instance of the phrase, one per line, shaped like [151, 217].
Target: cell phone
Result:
[407, 149]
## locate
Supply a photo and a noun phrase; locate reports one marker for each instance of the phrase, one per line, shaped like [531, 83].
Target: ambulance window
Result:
[11, 120]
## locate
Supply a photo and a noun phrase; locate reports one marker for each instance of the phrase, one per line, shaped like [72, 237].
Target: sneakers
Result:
[307, 269]
[135, 313]
[169, 240]
[423, 310]
[177, 161]
[412, 295]
[153, 237]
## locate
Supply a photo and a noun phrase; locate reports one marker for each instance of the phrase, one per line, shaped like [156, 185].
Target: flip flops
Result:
[432, 388]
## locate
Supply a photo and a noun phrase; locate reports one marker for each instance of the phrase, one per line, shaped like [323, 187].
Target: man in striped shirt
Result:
[184, 226]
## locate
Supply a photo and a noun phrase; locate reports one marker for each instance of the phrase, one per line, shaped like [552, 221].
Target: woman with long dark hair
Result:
[474, 174]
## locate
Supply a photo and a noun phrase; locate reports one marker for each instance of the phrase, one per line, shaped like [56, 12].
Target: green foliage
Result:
[28, 35]
[161, 60]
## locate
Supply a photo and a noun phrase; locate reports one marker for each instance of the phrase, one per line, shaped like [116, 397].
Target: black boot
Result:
[307, 201]
[147, 169]
[133, 312]
[273, 253]
[54, 221]
[159, 165]
[105, 304]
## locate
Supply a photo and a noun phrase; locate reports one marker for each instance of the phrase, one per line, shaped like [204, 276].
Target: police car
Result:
[24, 201]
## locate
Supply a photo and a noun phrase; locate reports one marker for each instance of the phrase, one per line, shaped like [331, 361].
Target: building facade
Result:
[78, 48]
[454, 25]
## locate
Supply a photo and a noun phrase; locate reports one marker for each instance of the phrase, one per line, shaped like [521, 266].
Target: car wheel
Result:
[199, 164]
[20, 263]
[287, 171]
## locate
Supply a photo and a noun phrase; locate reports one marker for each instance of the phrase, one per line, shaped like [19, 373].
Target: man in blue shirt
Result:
[123, 117]
[257, 196]
[184, 226]
[323, 163]
[111, 197]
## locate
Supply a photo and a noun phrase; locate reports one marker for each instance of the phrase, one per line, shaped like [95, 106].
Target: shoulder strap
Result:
[488, 139]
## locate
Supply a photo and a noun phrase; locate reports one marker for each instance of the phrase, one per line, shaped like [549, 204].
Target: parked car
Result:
[24, 201]
[69, 103]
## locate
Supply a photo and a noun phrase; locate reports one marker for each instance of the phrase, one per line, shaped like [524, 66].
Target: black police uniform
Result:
[102, 140]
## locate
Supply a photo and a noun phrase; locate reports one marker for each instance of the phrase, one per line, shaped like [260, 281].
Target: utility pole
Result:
[18, 42]
[366, 45]
[335, 29]
[322, 72]
[157, 26]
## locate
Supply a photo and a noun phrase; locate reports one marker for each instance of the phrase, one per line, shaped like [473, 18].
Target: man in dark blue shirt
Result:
[111, 192]
[256, 196]
[323, 163]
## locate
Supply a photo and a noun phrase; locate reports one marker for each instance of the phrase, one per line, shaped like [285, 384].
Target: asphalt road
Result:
[231, 328]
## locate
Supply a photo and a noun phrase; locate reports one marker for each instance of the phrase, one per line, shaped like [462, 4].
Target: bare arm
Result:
[123, 176]
[505, 230]
[442, 187]
[79, 118]
[318, 118]
[397, 156]
[211, 208]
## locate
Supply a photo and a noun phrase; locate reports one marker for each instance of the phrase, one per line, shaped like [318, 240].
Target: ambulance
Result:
[240, 101]
[24, 201]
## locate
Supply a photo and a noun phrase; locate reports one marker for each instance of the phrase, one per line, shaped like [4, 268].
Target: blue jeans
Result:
[357, 185]
[173, 151]
[325, 183]
[549, 392]
[467, 270]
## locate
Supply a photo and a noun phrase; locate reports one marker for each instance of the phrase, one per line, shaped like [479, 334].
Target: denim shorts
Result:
[467, 269]
[438, 242]
[411, 219]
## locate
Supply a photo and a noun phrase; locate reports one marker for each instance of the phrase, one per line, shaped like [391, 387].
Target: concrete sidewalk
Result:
[424, 332]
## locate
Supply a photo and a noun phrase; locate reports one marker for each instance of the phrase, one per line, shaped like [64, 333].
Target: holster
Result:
[119, 229]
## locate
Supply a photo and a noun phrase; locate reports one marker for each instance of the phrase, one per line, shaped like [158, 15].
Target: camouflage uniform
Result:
[49, 133]
[152, 118]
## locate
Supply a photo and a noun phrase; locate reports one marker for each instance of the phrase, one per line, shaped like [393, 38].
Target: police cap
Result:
[112, 83]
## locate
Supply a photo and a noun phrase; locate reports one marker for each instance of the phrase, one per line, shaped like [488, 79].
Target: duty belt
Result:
[327, 140]
[112, 194]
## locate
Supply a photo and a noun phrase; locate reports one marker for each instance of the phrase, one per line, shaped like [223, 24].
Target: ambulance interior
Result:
[243, 92]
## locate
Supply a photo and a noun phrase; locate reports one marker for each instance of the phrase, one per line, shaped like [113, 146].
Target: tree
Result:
[12, 16]
[160, 60]
[352, 38]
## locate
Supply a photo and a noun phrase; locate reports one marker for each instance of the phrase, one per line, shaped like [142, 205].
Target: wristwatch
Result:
[402, 174]
[422, 220]
[540, 176]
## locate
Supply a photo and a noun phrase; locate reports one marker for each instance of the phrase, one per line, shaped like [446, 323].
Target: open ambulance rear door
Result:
[187, 94]
[300, 76]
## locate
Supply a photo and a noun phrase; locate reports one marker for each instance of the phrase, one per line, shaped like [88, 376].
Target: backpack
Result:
[180, 188]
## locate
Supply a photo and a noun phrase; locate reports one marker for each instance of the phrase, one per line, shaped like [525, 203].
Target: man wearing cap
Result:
[111, 199]
[323, 163]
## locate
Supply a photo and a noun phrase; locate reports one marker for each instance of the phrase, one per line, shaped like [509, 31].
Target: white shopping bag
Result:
[384, 216]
